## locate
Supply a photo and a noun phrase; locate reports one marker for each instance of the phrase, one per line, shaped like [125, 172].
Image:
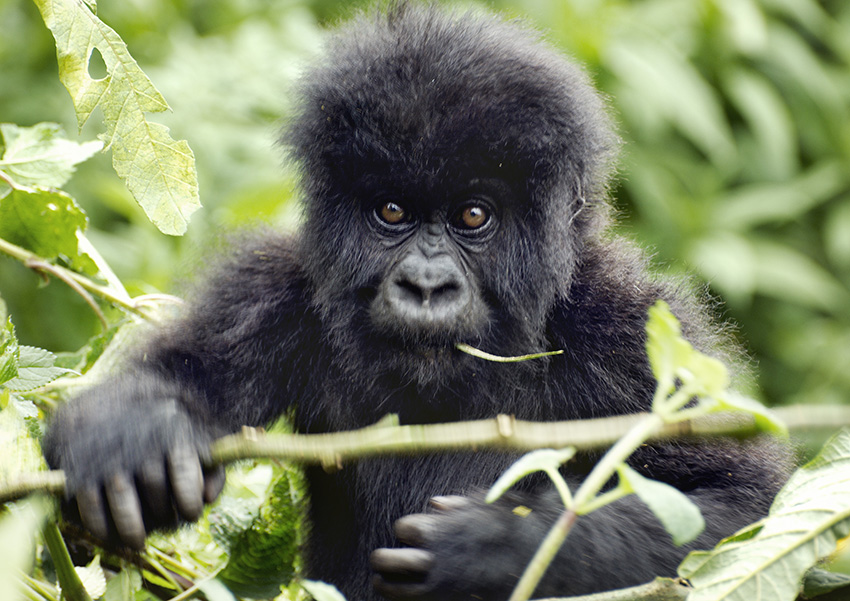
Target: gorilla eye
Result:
[392, 213]
[472, 217]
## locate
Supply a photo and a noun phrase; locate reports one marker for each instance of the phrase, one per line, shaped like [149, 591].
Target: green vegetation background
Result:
[736, 164]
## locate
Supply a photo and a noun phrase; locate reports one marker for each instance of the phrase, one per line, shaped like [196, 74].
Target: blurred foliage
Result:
[736, 121]
[736, 164]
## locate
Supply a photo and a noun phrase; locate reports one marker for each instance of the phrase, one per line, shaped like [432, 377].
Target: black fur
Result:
[357, 316]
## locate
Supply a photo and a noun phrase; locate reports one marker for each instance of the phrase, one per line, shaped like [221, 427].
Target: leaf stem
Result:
[30, 259]
[72, 586]
[607, 466]
[547, 550]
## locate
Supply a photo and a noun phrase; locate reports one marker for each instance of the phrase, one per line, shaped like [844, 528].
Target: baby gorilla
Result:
[454, 172]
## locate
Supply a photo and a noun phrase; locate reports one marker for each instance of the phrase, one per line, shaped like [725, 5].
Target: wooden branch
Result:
[503, 433]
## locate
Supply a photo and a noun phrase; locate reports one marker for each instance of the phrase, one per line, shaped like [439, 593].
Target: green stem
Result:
[561, 486]
[543, 557]
[72, 586]
[605, 469]
[605, 498]
[106, 293]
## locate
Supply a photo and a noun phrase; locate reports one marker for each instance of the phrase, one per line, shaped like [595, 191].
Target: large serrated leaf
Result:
[264, 556]
[807, 518]
[35, 369]
[158, 171]
[41, 155]
[45, 222]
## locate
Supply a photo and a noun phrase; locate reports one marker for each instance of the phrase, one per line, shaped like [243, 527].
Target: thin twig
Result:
[45, 267]
[104, 292]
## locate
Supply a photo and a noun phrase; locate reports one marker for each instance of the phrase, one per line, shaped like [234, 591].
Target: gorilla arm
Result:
[134, 448]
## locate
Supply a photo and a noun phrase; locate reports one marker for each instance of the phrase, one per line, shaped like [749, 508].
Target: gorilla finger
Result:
[415, 529]
[187, 481]
[213, 483]
[93, 512]
[154, 486]
[126, 510]
[402, 562]
[401, 591]
[449, 502]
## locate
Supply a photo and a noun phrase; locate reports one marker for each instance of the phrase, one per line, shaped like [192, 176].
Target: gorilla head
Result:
[449, 183]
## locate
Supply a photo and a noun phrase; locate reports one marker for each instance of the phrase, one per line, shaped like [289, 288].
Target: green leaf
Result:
[41, 155]
[672, 86]
[665, 347]
[262, 557]
[215, 590]
[123, 586]
[766, 420]
[541, 460]
[820, 582]
[45, 222]
[35, 369]
[158, 171]
[18, 528]
[9, 351]
[93, 578]
[808, 516]
[671, 357]
[321, 591]
[681, 518]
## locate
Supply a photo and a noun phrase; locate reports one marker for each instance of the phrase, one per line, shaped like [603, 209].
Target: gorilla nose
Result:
[428, 291]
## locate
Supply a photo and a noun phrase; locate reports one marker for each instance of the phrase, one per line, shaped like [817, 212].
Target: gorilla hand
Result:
[134, 459]
[462, 543]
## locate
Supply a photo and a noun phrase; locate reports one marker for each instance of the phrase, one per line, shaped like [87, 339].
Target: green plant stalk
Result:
[561, 486]
[38, 588]
[72, 586]
[621, 451]
[104, 292]
[543, 557]
[471, 350]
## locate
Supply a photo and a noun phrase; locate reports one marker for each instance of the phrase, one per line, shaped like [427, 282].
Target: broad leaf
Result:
[820, 582]
[807, 518]
[41, 155]
[158, 171]
[681, 518]
[766, 420]
[35, 369]
[45, 222]
[123, 586]
[93, 578]
[263, 556]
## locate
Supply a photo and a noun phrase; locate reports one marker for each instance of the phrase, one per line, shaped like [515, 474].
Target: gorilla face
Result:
[431, 292]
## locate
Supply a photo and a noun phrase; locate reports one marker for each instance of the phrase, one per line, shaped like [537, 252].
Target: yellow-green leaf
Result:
[158, 171]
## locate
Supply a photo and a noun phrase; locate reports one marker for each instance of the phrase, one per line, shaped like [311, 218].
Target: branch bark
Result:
[503, 433]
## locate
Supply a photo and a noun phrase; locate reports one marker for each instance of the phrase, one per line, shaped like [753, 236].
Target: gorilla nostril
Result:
[447, 293]
[410, 292]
